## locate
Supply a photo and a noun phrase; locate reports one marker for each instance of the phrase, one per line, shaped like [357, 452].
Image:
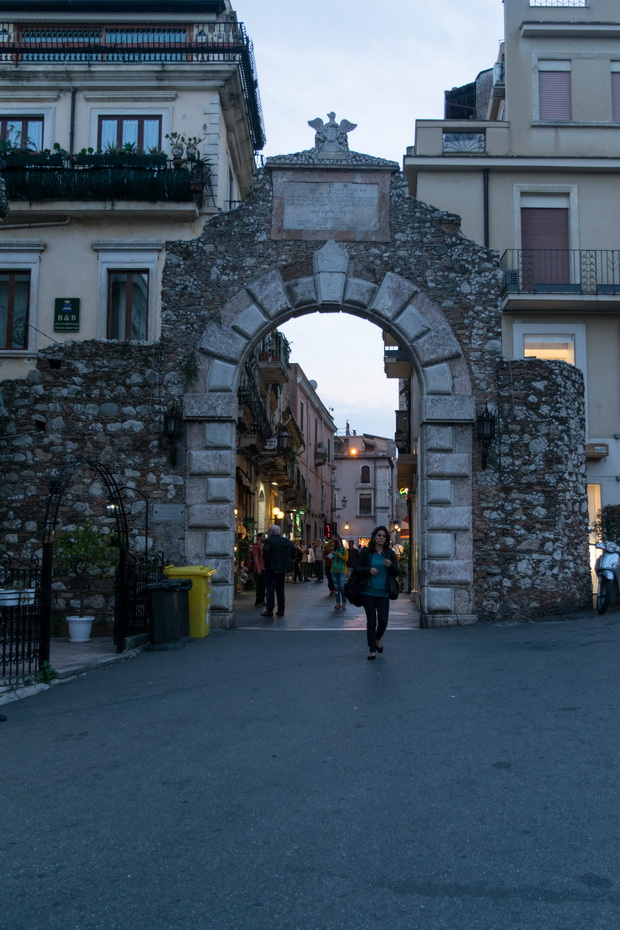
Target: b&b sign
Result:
[67, 315]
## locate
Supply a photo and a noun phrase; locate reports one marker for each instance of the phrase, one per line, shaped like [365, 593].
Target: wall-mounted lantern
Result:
[173, 427]
[486, 426]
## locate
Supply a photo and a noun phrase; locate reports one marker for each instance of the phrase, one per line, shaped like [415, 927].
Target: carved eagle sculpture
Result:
[331, 136]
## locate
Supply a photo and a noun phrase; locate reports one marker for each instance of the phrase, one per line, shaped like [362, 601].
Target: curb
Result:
[66, 674]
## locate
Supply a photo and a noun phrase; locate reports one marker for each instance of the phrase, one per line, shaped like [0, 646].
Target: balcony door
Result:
[545, 241]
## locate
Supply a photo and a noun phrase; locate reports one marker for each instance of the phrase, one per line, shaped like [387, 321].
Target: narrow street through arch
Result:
[309, 607]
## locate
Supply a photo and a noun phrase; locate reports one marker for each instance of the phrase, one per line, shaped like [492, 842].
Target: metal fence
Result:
[21, 632]
[561, 271]
[132, 619]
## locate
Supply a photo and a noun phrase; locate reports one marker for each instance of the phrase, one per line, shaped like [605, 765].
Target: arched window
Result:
[365, 474]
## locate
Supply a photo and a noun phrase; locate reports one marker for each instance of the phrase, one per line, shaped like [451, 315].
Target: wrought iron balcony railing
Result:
[96, 43]
[249, 397]
[561, 271]
[40, 177]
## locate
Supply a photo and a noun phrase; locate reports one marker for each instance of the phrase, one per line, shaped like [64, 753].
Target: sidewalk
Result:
[308, 607]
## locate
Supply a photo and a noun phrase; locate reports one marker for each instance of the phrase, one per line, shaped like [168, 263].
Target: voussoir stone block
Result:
[393, 294]
[437, 346]
[438, 379]
[331, 257]
[270, 294]
[330, 287]
[302, 292]
[412, 324]
[223, 343]
[250, 321]
[359, 293]
[222, 376]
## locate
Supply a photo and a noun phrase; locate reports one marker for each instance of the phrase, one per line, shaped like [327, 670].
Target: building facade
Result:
[122, 125]
[364, 485]
[528, 155]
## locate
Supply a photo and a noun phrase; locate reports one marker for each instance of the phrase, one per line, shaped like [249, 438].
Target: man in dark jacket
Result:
[278, 552]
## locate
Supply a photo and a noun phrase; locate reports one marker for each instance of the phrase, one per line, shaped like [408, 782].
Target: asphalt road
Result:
[466, 780]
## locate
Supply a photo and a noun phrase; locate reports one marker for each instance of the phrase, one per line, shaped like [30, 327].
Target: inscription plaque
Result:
[331, 206]
[320, 203]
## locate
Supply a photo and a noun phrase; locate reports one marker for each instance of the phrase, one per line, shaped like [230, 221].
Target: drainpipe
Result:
[72, 122]
[485, 188]
[64, 222]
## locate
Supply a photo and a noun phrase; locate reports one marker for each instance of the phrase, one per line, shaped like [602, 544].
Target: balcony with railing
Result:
[584, 273]
[273, 355]
[99, 44]
[45, 177]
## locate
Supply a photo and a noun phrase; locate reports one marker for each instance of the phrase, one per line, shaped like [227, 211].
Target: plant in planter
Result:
[83, 551]
[16, 593]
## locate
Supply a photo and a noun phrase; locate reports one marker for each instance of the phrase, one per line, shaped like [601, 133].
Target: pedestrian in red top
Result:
[258, 567]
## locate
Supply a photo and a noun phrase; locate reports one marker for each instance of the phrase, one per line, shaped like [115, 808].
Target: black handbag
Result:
[353, 588]
[392, 588]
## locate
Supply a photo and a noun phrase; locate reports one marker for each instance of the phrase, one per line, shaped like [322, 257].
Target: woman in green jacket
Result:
[339, 556]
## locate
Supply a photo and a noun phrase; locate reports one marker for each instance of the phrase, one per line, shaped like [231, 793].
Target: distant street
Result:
[267, 780]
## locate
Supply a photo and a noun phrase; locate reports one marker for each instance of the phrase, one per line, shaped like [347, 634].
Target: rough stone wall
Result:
[531, 513]
[427, 248]
[104, 404]
[107, 402]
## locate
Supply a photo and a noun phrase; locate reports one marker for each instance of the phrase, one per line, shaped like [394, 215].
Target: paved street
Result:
[466, 780]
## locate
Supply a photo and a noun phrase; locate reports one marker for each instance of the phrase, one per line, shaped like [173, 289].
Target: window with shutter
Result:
[554, 95]
[544, 243]
[615, 96]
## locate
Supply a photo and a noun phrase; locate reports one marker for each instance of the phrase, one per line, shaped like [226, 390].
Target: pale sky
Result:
[382, 66]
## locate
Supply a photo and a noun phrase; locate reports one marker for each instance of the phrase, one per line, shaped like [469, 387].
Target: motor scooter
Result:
[607, 568]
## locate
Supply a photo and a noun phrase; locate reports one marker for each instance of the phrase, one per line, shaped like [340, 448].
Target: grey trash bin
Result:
[169, 611]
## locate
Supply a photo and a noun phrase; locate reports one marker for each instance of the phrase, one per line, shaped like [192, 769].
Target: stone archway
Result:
[447, 411]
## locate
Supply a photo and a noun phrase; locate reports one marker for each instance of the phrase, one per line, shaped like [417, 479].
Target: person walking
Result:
[353, 556]
[296, 562]
[278, 553]
[376, 563]
[304, 561]
[258, 567]
[318, 561]
[310, 563]
[339, 556]
[327, 566]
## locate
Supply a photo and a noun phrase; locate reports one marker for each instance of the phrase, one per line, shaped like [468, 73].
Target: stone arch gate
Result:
[446, 414]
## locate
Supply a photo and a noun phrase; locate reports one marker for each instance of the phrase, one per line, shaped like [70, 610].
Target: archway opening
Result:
[336, 398]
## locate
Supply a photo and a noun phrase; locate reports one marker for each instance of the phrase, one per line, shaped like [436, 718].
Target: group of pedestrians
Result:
[273, 556]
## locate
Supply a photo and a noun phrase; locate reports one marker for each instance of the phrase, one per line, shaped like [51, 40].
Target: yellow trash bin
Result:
[199, 595]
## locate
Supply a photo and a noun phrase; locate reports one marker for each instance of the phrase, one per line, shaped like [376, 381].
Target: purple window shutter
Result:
[615, 96]
[554, 94]
[544, 243]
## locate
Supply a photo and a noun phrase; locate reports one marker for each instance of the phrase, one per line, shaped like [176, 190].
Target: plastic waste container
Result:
[199, 596]
[169, 610]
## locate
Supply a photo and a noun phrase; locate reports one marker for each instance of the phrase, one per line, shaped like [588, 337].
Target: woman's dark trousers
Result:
[377, 611]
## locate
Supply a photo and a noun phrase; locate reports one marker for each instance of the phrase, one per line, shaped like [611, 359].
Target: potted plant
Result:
[83, 551]
[16, 593]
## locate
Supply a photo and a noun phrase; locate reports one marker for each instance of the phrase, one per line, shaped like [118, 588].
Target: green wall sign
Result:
[67, 315]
